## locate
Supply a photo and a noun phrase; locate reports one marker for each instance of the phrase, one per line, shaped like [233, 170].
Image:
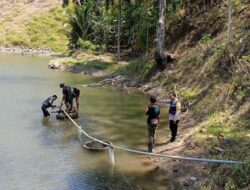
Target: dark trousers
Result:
[151, 136]
[173, 127]
[45, 111]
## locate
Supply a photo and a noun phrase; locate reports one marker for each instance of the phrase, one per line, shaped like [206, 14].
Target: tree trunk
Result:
[147, 42]
[119, 31]
[229, 27]
[161, 33]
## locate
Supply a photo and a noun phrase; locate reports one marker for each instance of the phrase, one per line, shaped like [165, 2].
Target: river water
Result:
[37, 153]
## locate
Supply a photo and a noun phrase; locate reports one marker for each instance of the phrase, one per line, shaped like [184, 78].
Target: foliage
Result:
[137, 67]
[92, 21]
[206, 38]
[16, 39]
[49, 30]
[87, 45]
[246, 58]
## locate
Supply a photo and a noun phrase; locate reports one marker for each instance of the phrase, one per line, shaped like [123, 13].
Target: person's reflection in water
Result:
[45, 122]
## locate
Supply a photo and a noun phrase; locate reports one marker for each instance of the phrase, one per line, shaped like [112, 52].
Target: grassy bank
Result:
[35, 25]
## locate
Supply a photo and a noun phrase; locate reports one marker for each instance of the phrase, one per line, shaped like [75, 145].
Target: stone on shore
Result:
[53, 64]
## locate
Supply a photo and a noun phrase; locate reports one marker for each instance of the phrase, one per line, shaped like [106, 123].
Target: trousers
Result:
[173, 127]
[151, 136]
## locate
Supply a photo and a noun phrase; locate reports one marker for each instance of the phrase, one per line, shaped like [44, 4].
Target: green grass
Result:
[137, 67]
[48, 30]
[89, 64]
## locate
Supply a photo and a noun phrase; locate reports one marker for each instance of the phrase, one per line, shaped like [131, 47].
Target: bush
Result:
[16, 39]
[48, 30]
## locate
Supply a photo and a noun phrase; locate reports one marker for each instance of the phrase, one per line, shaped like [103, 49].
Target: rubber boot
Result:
[150, 147]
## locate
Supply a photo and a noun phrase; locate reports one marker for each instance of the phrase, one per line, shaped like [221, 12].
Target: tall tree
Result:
[229, 27]
[119, 30]
[161, 32]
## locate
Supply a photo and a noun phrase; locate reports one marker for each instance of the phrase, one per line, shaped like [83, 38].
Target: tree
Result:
[160, 54]
[119, 30]
[229, 27]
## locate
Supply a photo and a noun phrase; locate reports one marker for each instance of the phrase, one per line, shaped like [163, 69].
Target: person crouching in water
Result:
[153, 113]
[48, 103]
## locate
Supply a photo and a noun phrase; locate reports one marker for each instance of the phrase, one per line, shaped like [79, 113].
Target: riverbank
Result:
[185, 173]
[216, 126]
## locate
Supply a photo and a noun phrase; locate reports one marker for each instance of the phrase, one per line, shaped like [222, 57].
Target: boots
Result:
[150, 147]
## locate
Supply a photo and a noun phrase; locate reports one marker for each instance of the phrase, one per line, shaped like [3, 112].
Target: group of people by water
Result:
[153, 113]
[69, 94]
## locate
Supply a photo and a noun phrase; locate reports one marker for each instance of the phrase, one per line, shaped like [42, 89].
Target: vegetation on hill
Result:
[34, 25]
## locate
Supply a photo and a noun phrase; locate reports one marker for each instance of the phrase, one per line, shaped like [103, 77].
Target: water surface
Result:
[39, 153]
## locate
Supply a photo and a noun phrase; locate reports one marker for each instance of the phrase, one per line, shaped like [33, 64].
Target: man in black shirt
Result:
[47, 104]
[153, 113]
[76, 94]
[67, 98]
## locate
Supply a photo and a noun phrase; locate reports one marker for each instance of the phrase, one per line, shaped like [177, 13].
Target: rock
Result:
[175, 170]
[186, 183]
[193, 178]
[54, 64]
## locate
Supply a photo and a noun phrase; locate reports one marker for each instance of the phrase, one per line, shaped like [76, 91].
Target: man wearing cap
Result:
[174, 114]
[153, 113]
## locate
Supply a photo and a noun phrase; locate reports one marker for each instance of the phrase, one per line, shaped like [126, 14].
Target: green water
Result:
[39, 153]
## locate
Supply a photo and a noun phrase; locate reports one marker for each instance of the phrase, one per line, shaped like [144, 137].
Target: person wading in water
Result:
[153, 113]
[174, 114]
[67, 98]
[48, 103]
[76, 95]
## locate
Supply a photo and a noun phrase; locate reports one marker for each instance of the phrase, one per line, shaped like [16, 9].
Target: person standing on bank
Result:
[153, 113]
[174, 114]
[48, 103]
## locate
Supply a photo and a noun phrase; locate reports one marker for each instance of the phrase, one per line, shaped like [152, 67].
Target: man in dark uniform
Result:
[67, 98]
[153, 113]
[47, 104]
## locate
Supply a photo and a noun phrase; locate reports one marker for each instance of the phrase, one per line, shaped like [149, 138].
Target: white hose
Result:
[154, 154]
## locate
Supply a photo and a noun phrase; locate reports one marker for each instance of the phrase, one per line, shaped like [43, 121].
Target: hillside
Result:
[33, 23]
[212, 77]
